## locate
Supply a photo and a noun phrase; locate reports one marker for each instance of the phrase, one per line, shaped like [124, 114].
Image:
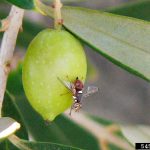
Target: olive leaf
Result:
[136, 133]
[25, 4]
[28, 145]
[29, 4]
[137, 9]
[123, 40]
[8, 126]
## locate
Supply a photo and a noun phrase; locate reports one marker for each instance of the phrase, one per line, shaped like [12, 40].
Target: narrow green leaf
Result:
[0, 24]
[24, 145]
[123, 40]
[9, 110]
[6, 145]
[8, 126]
[138, 9]
[136, 133]
[29, 4]
[100, 120]
[25, 4]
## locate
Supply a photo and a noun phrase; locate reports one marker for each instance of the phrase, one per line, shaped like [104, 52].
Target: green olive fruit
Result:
[52, 54]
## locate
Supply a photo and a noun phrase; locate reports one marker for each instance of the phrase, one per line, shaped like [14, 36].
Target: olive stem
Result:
[7, 47]
[54, 12]
[58, 21]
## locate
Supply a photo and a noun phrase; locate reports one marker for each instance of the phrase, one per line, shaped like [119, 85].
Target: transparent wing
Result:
[90, 90]
[67, 84]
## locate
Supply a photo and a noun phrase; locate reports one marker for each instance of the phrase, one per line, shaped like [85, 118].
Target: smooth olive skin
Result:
[52, 54]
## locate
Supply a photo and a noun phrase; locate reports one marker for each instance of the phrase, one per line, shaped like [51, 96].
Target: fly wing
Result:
[67, 84]
[90, 90]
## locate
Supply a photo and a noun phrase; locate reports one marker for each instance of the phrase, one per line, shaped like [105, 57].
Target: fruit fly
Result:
[76, 88]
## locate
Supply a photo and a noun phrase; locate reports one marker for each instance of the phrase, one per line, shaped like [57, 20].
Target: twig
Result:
[104, 144]
[100, 132]
[8, 46]
[57, 14]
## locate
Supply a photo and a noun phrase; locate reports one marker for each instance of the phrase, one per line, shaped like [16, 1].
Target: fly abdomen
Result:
[79, 96]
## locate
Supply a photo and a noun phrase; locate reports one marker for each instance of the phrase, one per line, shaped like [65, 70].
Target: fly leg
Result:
[71, 108]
